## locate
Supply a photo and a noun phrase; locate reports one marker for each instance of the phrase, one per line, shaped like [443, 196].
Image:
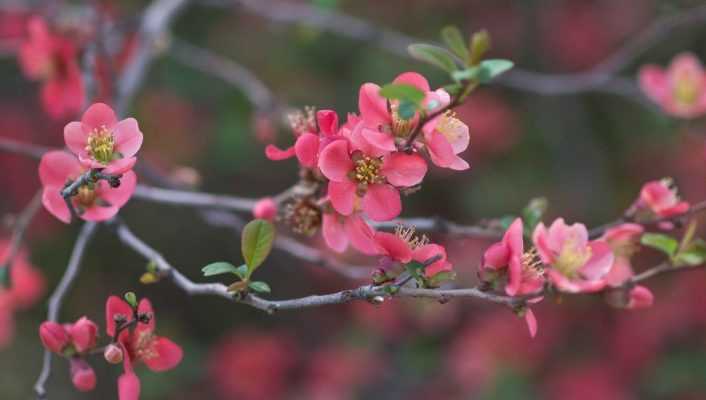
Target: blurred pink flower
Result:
[493, 122]
[101, 141]
[680, 89]
[83, 376]
[660, 199]
[623, 239]
[575, 263]
[252, 366]
[53, 59]
[97, 203]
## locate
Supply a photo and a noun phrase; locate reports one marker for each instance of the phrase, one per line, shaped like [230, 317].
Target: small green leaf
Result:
[666, 244]
[454, 40]
[131, 299]
[257, 239]
[493, 68]
[219, 268]
[259, 286]
[694, 254]
[532, 214]
[241, 271]
[434, 55]
[480, 44]
[4, 277]
[505, 221]
[453, 89]
[406, 110]
[402, 91]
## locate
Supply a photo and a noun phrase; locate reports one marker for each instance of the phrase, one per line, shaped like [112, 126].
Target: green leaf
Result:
[406, 110]
[241, 271]
[453, 89]
[4, 277]
[434, 55]
[131, 299]
[666, 244]
[505, 221]
[402, 91]
[493, 68]
[259, 286]
[454, 40]
[532, 214]
[257, 239]
[219, 268]
[480, 44]
[441, 277]
[694, 254]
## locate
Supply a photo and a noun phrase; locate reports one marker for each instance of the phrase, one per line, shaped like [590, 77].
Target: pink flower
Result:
[265, 208]
[445, 137]
[139, 344]
[339, 231]
[368, 181]
[309, 143]
[524, 275]
[79, 336]
[680, 89]
[52, 59]
[82, 375]
[660, 199]
[623, 240]
[27, 287]
[97, 203]
[403, 247]
[101, 141]
[83, 334]
[575, 263]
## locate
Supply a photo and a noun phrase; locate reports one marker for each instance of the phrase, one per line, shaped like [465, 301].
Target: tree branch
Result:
[19, 228]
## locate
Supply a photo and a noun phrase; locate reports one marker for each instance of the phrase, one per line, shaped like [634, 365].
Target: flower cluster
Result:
[565, 258]
[130, 329]
[52, 58]
[100, 168]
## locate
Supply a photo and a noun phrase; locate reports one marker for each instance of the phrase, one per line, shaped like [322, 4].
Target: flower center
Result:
[531, 263]
[101, 145]
[407, 233]
[451, 127]
[572, 257]
[686, 90]
[400, 127]
[367, 169]
[144, 348]
[86, 196]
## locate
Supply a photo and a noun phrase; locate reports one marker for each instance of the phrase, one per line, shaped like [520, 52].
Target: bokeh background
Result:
[587, 152]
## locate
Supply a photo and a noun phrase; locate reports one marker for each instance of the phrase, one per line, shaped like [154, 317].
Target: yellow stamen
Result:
[101, 145]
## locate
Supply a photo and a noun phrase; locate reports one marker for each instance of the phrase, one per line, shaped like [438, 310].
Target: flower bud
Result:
[83, 334]
[113, 354]
[640, 297]
[82, 375]
[265, 208]
[53, 336]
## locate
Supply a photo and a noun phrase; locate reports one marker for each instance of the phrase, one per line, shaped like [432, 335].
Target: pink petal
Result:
[382, 202]
[361, 235]
[335, 162]
[403, 169]
[128, 138]
[98, 115]
[120, 166]
[394, 247]
[640, 297]
[382, 141]
[620, 272]
[120, 195]
[274, 153]
[56, 167]
[372, 106]
[653, 81]
[55, 204]
[531, 321]
[83, 334]
[82, 375]
[426, 252]
[497, 256]
[440, 150]
[514, 237]
[75, 138]
[145, 307]
[539, 238]
[99, 213]
[333, 232]
[128, 387]
[328, 122]
[600, 262]
[307, 149]
[115, 305]
[514, 280]
[169, 355]
[342, 196]
[413, 79]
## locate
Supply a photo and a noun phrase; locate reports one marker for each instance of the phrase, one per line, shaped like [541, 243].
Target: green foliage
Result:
[666, 244]
[434, 55]
[219, 268]
[692, 255]
[257, 239]
[484, 72]
[131, 299]
[259, 286]
[532, 214]
[454, 40]
[402, 91]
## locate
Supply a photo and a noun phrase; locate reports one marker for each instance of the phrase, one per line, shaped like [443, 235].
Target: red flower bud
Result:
[265, 208]
[53, 336]
[83, 334]
[82, 375]
[113, 354]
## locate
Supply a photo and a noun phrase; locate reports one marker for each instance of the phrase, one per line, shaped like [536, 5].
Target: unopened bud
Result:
[113, 354]
[82, 375]
[54, 336]
[266, 209]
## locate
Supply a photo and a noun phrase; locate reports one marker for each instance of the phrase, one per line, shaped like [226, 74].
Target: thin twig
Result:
[19, 228]
[57, 298]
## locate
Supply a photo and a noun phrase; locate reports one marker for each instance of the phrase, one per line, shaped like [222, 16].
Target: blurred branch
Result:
[229, 71]
[601, 78]
[57, 298]
[19, 228]
[23, 149]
